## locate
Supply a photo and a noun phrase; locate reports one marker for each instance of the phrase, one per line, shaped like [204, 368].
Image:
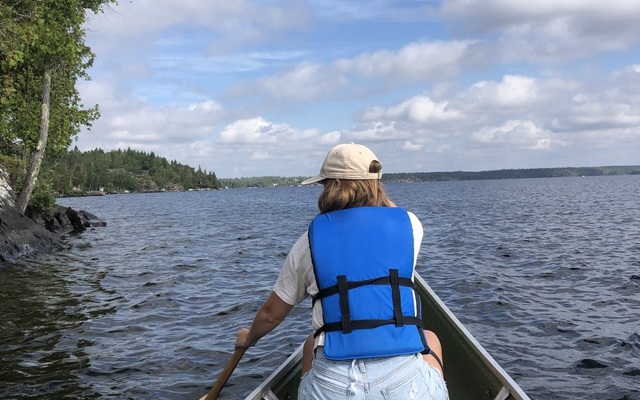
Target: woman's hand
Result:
[270, 314]
[242, 341]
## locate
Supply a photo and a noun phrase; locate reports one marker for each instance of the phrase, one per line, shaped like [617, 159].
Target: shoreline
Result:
[24, 236]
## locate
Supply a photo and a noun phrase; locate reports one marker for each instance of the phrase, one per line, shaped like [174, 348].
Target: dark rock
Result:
[53, 225]
[89, 220]
[75, 220]
[22, 235]
[94, 224]
[66, 220]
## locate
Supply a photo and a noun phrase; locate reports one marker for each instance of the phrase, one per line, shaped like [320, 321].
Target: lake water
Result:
[544, 272]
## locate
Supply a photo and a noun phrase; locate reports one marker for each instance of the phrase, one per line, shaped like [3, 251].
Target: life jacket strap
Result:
[346, 325]
[343, 290]
[367, 324]
[385, 280]
[395, 297]
[429, 351]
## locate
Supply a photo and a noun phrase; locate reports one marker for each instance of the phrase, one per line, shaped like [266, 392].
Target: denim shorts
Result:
[389, 378]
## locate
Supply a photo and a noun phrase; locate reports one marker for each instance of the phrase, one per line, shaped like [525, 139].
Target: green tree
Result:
[42, 55]
[118, 170]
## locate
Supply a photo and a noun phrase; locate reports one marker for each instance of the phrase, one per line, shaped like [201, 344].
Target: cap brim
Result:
[315, 179]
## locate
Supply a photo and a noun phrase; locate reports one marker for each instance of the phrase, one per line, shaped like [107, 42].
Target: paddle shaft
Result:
[226, 373]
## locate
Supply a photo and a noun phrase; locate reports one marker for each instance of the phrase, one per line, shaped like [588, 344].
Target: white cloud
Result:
[521, 133]
[258, 130]
[259, 155]
[330, 138]
[548, 30]
[238, 20]
[265, 88]
[305, 81]
[583, 16]
[600, 115]
[417, 61]
[419, 109]
[127, 121]
[169, 122]
[374, 132]
[255, 130]
[512, 91]
[408, 145]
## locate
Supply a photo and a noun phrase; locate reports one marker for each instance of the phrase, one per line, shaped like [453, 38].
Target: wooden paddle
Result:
[224, 376]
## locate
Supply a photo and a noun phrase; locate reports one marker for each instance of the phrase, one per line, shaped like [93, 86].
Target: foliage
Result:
[123, 170]
[43, 200]
[39, 36]
[42, 55]
[261, 181]
[14, 166]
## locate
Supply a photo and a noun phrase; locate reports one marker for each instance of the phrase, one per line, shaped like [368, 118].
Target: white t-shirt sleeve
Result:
[294, 280]
[418, 233]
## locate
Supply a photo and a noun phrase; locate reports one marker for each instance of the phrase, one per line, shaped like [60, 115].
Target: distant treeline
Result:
[118, 171]
[272, 181]
[511, 174]
[260, 181]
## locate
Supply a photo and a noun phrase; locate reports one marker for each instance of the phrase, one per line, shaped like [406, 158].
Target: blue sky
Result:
[255, 88]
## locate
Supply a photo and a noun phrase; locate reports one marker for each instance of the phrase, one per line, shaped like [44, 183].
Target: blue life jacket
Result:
[363, 264]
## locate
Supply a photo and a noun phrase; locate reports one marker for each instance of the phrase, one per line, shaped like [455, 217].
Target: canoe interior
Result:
[469, 370]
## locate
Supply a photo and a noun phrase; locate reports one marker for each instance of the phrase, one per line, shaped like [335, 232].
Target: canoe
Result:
[471, 373]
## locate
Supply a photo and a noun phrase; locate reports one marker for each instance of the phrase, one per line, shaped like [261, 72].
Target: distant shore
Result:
[408, 177]
[512, 174]
[402, 177]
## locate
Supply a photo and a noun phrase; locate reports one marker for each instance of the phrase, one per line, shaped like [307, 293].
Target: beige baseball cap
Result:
[346, 161]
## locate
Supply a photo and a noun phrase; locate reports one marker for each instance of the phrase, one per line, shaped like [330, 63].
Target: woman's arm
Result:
[270, 315]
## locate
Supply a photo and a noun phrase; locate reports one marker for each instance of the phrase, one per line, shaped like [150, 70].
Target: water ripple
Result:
[543, 272]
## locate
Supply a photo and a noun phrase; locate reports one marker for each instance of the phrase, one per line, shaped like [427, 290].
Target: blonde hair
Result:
[339, 194]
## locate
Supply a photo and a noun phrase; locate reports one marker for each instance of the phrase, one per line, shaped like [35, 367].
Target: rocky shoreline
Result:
[22, 236]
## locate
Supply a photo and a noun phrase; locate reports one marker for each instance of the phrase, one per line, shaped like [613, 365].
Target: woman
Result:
[356, 261]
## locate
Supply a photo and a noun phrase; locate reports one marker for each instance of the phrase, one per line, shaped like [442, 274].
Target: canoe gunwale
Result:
[279, 373]
[510, 389]
[514, 389]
